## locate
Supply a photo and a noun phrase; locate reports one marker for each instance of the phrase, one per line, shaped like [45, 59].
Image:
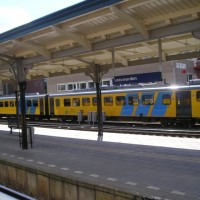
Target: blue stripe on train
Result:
[19, 107]
[30, 110]
[159, 108]
[127, 109]
[143, 109]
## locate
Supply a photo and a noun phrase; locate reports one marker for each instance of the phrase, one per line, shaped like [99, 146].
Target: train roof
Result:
[27, 95]
[129, 89]
[35, 95]
[110, 90]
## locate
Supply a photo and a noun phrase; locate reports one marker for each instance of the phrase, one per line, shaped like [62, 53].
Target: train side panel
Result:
[7, 107]
[146, 103]
[164, 105]
[150, 104]
[130, 105]
[196, 104]
[69, 106]
[114, 105]
[35, 106]
[32, 106]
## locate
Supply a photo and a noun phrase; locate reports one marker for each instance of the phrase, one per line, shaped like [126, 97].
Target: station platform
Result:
[156, 167]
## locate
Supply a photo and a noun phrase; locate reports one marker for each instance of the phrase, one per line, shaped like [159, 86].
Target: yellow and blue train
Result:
[167, 104]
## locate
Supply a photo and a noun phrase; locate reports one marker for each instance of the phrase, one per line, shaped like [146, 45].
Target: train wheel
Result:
[164, 123]
[171, 124]
[192, 123]
[183, 124]
[167, 123]
[61, 119]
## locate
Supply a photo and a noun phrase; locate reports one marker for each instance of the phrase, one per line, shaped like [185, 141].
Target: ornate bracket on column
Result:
[20, 71]
[96, 72]
[11, 62]
[19, 75]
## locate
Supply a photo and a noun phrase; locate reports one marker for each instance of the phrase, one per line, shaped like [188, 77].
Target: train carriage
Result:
[67, 106]
[7, 106]
[169, 105]
[36, 106]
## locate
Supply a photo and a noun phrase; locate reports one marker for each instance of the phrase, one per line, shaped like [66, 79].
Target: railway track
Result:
[125, 128]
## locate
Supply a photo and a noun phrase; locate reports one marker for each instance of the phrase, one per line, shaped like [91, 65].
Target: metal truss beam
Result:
[122, 41]
[131, 20]
[126, 40]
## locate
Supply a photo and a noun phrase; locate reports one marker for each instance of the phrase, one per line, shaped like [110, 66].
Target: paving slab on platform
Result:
[170, 171]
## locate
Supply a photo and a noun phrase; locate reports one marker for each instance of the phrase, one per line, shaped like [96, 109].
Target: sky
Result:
[14, 13]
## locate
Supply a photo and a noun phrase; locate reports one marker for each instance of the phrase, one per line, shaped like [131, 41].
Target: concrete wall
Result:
[172, 76]
[34, 86]
[45, 186]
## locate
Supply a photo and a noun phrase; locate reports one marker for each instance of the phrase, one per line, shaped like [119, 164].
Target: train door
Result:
[183, 104]
[46, 105]
[51, 106]
[41, 106]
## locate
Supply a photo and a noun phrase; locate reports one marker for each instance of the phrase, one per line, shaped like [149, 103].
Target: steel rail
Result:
[123, 128]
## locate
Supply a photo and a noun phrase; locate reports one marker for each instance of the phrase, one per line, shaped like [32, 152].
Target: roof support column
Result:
[18, 71]
[96, 72]
[21, 77]
[97, 80]
[113, 61]
[160, 57]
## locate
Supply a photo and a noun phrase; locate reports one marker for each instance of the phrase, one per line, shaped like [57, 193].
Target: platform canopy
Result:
[105, 32]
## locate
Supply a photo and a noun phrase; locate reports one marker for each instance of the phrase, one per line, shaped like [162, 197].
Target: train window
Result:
[61, 87]
[108, 101]
[28, 103]
[133, 100]
[120, 100]
[198, 96]
[76, 101]
[57, 102]
[6, 103]
[67, 102]
[1, 104]
[86, 101]
[91, 85]
[35, 102]
[94, 101]
[82, 86]
[147, 99]
[166, 99]
[12, 104]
